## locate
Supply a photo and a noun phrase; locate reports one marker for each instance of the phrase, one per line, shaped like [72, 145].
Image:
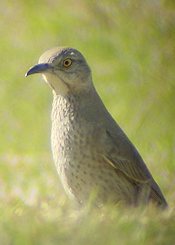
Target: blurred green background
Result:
[130, 46]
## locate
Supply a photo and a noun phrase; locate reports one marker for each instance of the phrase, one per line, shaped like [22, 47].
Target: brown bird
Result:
[91, 152]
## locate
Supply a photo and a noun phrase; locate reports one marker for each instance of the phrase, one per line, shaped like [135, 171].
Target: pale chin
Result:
[55, 83]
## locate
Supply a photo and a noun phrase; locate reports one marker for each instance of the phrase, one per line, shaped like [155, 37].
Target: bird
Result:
[92, 154]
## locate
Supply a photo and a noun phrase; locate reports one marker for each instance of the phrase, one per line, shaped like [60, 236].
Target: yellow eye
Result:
[67, 63]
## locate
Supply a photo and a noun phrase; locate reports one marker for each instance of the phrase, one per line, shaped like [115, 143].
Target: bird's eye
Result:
[67, 63]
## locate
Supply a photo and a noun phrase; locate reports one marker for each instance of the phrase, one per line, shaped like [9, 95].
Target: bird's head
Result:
[64, 69]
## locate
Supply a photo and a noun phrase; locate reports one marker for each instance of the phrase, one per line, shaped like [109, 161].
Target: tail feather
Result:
[157, 197]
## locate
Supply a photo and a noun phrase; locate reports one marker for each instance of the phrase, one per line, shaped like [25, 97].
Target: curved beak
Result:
[40, 68]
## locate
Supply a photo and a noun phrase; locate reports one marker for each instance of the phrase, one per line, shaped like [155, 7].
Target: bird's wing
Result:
[122, 155]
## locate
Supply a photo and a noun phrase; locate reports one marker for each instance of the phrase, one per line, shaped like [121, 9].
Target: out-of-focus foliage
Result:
[130, 46]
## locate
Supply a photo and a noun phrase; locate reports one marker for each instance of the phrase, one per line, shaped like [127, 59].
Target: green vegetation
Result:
[130, 46]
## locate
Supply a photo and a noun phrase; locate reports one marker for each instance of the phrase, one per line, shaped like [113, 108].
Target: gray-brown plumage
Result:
[90, 150]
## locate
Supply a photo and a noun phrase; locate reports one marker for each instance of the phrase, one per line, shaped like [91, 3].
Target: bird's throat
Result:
[59, 86]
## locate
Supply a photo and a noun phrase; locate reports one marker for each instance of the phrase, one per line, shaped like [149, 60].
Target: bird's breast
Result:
[71, 135]
[75, 149]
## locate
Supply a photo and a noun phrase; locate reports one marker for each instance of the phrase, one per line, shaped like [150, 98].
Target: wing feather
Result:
[123, 156]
